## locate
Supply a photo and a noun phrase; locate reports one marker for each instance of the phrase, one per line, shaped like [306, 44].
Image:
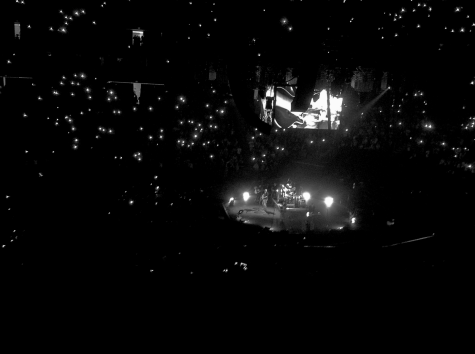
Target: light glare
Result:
[328, 201]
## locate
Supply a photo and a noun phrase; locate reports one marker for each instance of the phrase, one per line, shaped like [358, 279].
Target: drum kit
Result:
[290, 197]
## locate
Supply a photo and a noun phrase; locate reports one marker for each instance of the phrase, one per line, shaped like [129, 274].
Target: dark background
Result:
[79, 188]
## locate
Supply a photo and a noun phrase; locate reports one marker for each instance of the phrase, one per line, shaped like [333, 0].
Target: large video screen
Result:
[315, 117]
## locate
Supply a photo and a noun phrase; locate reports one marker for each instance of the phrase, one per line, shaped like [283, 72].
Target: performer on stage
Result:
[256, 194]
[264, 198]
[258, 191]
[275, 192]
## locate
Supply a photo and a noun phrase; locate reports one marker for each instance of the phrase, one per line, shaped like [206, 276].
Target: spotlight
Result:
[306, 196]
[328, 201]
[245, 196]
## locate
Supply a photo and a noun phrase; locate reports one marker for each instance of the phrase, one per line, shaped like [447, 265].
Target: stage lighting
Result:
[328, 201]
[245, 196]
[306, 196]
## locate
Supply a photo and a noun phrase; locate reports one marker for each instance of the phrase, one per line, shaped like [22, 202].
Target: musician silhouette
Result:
[264, 198]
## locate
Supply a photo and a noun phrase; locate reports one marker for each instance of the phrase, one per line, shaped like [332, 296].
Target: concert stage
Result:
[294, 220]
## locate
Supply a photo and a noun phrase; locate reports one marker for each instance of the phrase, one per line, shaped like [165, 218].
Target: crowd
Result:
[447, 146]
[121, 154]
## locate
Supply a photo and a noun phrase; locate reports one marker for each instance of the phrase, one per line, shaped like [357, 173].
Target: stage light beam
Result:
[328, 201]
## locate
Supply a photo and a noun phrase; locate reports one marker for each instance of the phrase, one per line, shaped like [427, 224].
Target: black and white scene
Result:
[222, 138]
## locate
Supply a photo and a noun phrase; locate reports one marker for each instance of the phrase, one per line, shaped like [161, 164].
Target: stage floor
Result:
[292, 219]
